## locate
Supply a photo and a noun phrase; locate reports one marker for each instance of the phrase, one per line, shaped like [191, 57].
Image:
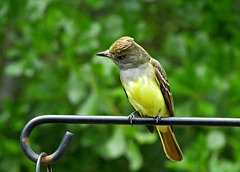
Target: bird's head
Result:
[126, 53]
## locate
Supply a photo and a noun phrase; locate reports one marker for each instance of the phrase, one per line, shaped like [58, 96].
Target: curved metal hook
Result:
[124, 120]
[24, 139]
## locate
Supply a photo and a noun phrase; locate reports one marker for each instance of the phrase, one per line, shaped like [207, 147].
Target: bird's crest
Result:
[121, 44]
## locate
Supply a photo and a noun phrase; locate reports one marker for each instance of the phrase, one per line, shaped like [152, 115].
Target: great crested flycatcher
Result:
[146, 85]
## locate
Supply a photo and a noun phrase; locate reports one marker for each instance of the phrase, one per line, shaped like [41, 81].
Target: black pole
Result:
[115, 120]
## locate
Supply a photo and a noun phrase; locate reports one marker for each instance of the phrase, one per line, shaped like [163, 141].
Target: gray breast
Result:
[134, 73]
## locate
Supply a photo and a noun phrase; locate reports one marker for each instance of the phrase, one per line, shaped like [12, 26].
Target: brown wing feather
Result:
[164, 85]
[168, 139]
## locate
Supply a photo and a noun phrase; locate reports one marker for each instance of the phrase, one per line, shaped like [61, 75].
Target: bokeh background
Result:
[48, 66]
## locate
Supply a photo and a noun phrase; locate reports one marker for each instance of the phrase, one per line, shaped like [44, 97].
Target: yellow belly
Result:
[146, 97]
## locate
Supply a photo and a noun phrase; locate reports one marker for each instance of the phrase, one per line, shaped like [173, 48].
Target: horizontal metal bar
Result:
[115, 120]
[123, 120]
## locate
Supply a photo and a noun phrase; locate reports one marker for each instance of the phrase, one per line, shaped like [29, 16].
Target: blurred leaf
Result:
[134, 156]
[76, 85]
[116, 146]
[176, 46]
[217, 165]
[4, 117]
[88, 107]
[216, 140]
[15, 69]
[146, 138]
[10, 164]
[3, 8]
[95, 4]
[38, 7]
[206, 109]
[115, 29]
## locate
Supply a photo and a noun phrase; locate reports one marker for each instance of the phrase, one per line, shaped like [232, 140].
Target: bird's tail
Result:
[170, 144]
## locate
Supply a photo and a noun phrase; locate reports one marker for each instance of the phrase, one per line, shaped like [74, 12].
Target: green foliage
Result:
[48, 66]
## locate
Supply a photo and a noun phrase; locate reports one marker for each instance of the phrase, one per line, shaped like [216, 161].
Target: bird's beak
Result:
[104, 53]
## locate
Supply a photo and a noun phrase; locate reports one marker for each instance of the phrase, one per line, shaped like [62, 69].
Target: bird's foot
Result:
[131, 117]
[157, 117]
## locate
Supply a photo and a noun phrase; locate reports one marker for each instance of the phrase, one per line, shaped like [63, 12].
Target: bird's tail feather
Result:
[170, 144]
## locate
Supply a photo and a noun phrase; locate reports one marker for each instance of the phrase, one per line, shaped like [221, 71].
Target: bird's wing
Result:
[163, 84]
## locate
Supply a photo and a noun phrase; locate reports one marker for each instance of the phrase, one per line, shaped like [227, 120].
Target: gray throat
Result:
[127, 75]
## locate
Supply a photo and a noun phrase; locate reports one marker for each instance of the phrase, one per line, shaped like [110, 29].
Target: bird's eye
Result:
[120, 57]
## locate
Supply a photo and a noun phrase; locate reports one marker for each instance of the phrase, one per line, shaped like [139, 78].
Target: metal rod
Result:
[38, 163]
[116, 120]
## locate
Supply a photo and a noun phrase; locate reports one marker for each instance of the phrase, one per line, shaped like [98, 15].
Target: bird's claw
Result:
[131, 117]
[157, 117]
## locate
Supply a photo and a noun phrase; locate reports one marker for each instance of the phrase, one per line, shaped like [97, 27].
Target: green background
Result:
[48, 66]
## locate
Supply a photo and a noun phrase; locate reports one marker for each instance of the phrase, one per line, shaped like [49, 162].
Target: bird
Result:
[147, 89]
